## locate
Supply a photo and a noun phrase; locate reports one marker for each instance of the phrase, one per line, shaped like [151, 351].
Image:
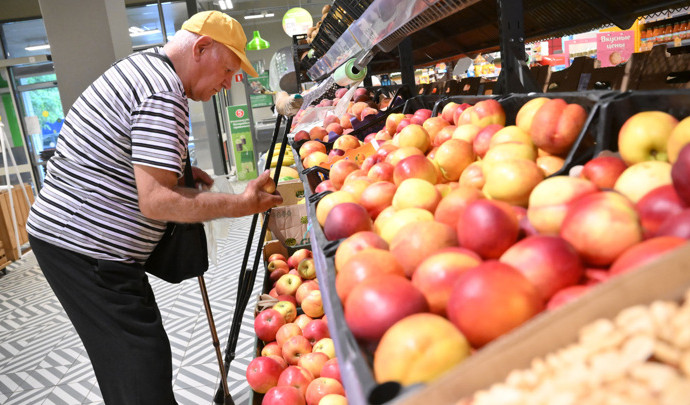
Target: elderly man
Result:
[112, 186]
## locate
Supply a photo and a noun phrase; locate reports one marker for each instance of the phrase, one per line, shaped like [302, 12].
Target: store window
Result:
[145, 23]
[25, 38]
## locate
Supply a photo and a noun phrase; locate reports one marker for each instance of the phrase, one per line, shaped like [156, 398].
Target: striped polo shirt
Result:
[135, 113]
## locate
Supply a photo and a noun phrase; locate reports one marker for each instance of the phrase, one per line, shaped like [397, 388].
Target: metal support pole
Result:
[515, 76]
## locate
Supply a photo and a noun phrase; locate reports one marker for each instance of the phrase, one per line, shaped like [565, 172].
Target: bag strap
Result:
[187, 173]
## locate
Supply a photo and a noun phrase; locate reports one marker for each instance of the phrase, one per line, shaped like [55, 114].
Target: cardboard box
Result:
[21, 212]
[665, 279]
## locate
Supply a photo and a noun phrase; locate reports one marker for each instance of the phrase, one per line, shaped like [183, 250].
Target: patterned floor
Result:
[42, 360]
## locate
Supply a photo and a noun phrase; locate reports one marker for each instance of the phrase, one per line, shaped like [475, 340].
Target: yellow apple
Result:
[645, 135]
[641, 178]
[511, 180]
[680, 136]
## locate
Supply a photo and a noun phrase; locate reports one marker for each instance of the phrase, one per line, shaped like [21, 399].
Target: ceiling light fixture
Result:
[37, 47]
[142, 32]
[253, 16]
[257, 43]
[222, 5]
[269, 15]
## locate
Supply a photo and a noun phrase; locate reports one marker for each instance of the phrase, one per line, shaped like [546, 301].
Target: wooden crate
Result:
[21, 210]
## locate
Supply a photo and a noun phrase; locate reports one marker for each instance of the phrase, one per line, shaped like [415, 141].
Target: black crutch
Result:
[248, 276]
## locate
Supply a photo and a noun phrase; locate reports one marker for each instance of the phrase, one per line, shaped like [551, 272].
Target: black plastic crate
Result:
[616, 110]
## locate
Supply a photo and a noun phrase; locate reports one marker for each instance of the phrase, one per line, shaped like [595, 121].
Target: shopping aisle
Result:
[42, 361]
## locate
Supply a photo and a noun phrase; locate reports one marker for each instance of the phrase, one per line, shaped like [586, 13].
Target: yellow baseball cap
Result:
[224, 29]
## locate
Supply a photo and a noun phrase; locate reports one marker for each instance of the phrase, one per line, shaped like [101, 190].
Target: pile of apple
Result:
[438, 258]
[298, 364]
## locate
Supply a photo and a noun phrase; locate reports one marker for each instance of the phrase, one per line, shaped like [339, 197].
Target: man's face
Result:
[217, 66]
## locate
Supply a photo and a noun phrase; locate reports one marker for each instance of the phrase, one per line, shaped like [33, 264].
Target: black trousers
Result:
[112, 307]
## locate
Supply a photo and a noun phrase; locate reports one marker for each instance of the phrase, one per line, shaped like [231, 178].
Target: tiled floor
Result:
[42, 360]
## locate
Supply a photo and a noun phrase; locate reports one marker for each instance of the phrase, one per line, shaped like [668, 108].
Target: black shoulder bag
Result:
[182, 252]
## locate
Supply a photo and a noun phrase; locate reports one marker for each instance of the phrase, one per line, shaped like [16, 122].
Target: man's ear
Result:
[202, 44]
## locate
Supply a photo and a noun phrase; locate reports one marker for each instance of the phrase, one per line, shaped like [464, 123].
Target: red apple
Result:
[277, 256]
[276, 274]
[285, 332]
[298, 256]
[294, 348]
[272, 348]
[566, 295]
[301, 136]
[302, 320]
[453, 204]
[378, 302]
[416, 241]
[645, 252]
[364, 264]
[458, 111]
[297, 377]
[482, 140]
[381, 171]
[415, 166]
[437, 274]
[325, 185]
[402, 124]
[679, 174]
[277, 264]
[312, 304]
[414, 135]
[676, 225]
[346, 219]
[267, 323]
[285, 395]
[548, 262]
[331, 370]
[263, 373]
[490, 300]
[392, 122]
[316, 330]
[449, 110]
[305, 288]
[600, 226]
[313, 362]
[556, 125]
[321, 387]
[488, 227]
[339, 171]
[356, 243]
[377, 196]
[656, 206]
[603, 171]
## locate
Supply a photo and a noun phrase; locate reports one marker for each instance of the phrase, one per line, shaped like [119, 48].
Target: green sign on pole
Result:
[256, 97]
[241, 138]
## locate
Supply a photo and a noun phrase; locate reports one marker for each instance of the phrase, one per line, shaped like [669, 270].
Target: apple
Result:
[416, 193]
[490, 300]
[473, 176]
[357, 174]
[400, 153]
[317, 132]
[488, 227]
[313, 159]
[644, 136]
[287, 309]
[458, 112]
[656, 206]
[378, 302]
[418, 349]
[277, 256]
[548, 262]
[526, 113]
[449, 110]
[325, 346]
[600, 226]
[296, 377]
[310, 147]
[388, 225]
[482, 140]
[325, 185]
[277, 264]
[377, 196]
[297, 256]
[267, 323]
[332, 370]
[443, 135]
[346, 219]
[511, 180]
[288, 284]
[355, 243]
[315, 330]
[550, 199]
[433, 125]
[414, 135]
[515, 150]
[676, 225]
[327, 202]
[272, 349]
[566, 295]
[603, 171]
[453, 204]
[486, 112]
[339, 171]
[321, 387]
[273, 293]
[556, 125]
[301, 136]
[365, 264]
[381, 171]
[436, 275]
[333, 399]
[302, 320]
[276, 274]
[423, 113]
[641, 178]
[402, 124]
[356, 185]
[262, 374]
[285, 332]
[313, 362]
[418, 240]
[453, 156]
[306, 269]
[392, 122]
[645, 252]
[415, 166]
[284, 395]
[294, 348]
[680, 136]
[679, 175]
[330, 119]
[312, 304]
[594, 275]
[550, 164]
[305, 288]
[347, 142]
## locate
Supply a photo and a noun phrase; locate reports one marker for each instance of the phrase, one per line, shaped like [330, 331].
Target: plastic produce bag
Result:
[218, 229]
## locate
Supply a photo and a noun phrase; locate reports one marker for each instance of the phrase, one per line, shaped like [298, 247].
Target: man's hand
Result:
[264, 200]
